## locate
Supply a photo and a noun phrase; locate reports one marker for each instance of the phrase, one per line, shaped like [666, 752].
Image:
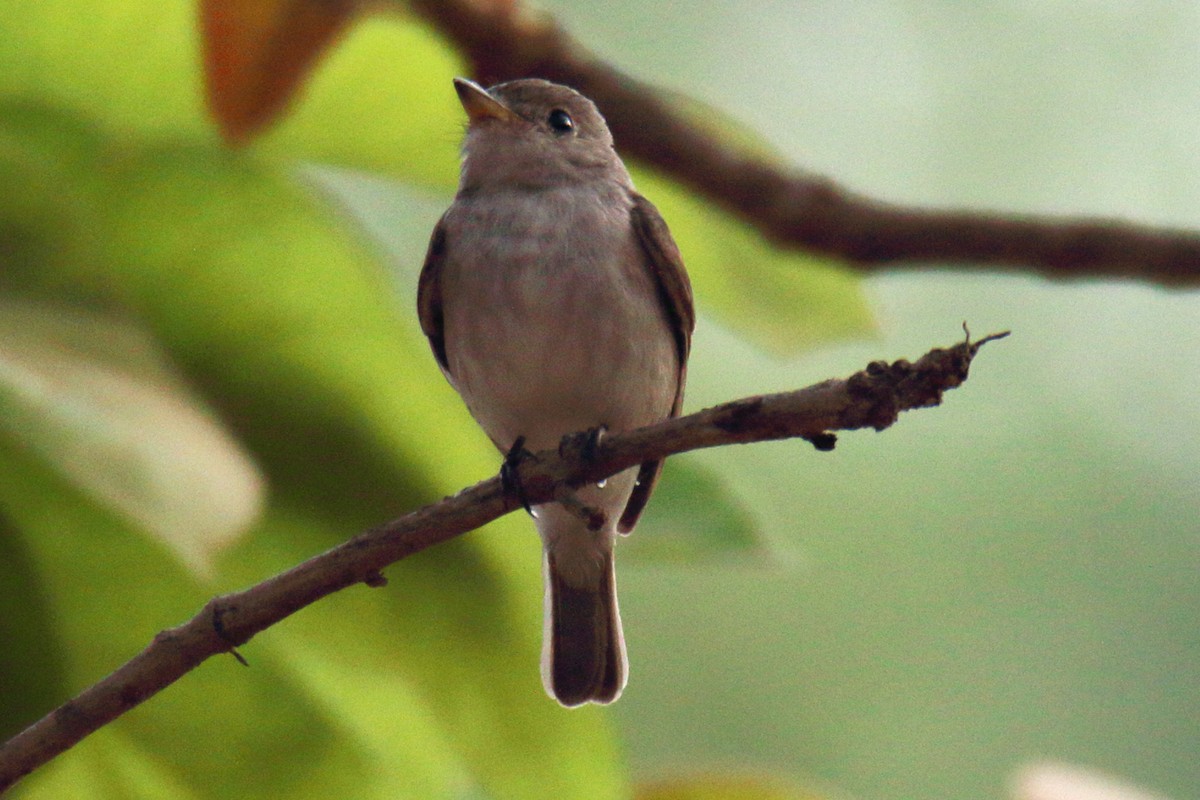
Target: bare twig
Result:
[799, 209]
[869, 399]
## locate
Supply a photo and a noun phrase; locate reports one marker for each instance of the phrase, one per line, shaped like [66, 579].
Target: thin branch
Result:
[798, 209]
[869, 399]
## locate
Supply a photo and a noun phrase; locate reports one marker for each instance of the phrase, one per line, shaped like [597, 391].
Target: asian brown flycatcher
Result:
[555, 301]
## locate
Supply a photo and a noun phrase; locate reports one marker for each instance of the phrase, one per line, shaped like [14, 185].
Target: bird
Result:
[555, 301]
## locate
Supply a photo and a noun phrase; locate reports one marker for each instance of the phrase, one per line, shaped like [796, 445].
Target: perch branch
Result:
[871, 398]
[798, 209]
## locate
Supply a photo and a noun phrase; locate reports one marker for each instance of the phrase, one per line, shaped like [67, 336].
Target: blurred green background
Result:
[207, 374]
[1017, 574]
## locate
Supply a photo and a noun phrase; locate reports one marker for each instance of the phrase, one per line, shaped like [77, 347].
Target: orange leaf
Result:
[257, 54]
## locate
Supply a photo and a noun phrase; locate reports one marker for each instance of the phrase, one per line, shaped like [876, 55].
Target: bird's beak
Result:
[480, 105]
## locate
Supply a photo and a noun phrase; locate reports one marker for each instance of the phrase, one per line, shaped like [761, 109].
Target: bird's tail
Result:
[583, 652]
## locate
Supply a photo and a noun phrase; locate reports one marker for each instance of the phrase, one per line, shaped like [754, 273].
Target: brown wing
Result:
[429, 295]
[675, 293]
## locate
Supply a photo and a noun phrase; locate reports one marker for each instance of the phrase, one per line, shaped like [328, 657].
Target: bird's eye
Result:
[560, 121]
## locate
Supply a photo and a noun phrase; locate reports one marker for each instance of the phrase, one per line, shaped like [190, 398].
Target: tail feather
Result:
[583, 656]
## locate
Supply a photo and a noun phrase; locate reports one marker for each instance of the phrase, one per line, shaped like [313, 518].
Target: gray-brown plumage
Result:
[556, 301]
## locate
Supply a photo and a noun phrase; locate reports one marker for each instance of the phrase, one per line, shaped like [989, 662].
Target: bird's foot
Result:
[510, 475]
[582, 443]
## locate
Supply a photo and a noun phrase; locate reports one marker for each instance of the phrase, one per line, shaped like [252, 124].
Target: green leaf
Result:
[694, 519]
[110, 590]
[785, 302]
[32, 660]
[725, 786]
[382, 101]
[717, 123]
[92, 396]
[118, 198]
[112, 767]
[131, 65]
[252, 288]
[289, 327]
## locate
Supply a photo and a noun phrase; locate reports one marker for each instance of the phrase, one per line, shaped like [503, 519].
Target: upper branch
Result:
[798, 209]
[871, 398]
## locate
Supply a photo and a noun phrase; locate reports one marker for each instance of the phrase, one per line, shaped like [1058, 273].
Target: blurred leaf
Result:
[110, 590]
[92, 395]
[111, 768]
[257, 53]
[49, 223]
[716, 122]
[99, 770]
[724, 787]
[277, 315]
[289, 327]
[785, 302]
[694, 519]
[130, 65]
[32, 668]
[382, 101]
[1051, 780]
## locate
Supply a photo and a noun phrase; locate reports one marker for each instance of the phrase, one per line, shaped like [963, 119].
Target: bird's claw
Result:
[510, 475]
[584, 443]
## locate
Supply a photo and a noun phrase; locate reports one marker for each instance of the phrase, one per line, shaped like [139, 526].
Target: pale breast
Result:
[553, 322]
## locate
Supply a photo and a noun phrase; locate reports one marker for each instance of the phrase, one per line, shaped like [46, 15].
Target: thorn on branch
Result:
[989, 338]
[375, 579]
[823, 442]
[218, 614]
